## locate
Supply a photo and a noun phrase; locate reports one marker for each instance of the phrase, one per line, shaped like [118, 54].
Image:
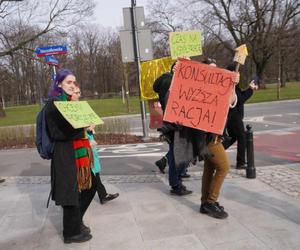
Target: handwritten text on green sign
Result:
[79, 114]
[186, 43]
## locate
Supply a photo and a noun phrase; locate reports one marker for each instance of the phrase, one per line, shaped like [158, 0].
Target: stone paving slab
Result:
[146, 216]
[284, 178]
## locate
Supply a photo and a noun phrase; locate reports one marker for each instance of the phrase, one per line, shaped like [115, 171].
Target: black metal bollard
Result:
[250, 170]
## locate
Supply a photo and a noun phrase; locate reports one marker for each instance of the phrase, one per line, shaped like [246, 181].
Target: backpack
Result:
[43, 142]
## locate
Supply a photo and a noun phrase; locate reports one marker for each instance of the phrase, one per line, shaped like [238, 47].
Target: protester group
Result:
[75, 165]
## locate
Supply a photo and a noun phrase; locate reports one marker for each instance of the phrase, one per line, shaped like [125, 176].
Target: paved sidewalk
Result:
[146, 216]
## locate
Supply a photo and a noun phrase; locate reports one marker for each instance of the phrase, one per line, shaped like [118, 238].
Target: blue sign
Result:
[51, 50]
[51, 60]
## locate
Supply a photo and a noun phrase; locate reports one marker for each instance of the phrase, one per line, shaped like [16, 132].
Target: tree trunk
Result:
[260, 75]
[282, 77]
[2, 112]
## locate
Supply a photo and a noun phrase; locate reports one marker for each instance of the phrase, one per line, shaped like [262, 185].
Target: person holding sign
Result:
[235, 125]
[96, 166]
[215, 169]
[72, 184]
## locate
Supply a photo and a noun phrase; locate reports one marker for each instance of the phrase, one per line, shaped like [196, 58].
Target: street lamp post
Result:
[137, 61]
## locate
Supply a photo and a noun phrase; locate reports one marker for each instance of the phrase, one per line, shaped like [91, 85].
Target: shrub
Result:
[113, 131]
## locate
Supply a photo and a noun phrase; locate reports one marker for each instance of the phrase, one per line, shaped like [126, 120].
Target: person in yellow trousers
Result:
[215, 169]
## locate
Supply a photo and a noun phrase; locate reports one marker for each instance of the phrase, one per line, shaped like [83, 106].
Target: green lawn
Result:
[103, 107]
[291, 91]
[20, 115]
[114, 106]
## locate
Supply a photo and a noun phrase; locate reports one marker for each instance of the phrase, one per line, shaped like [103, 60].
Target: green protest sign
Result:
[187, 43]
[79, 114]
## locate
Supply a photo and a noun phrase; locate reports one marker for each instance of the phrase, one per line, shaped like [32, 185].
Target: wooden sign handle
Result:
[237, 67]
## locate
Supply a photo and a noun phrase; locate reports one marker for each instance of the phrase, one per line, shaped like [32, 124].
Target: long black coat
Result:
[63, 166]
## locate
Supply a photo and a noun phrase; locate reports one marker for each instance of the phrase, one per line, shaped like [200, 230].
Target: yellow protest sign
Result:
[149, 72]
[241, 54]
[186, 43]
[79, 114]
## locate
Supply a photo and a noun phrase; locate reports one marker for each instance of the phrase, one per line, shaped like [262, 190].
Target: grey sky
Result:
[109, 12]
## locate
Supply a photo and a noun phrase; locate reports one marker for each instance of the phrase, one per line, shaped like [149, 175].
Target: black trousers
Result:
[73, 215]
[236, 131]
[100, 187]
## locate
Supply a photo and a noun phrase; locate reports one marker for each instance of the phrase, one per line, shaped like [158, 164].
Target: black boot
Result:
[180, 190]
[77, 238]
[161, 164]
[84, 229]
[108, 197]
[214, 210]
[202, 207]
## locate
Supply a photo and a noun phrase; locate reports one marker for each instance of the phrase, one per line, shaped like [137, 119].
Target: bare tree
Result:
[47, 16]
[96, 59]
[164, 17]
[261, 24]
[23, 23]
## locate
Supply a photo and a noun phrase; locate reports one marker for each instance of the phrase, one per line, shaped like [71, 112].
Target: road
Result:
[276, 128]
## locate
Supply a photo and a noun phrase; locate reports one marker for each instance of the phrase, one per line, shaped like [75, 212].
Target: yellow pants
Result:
[214, 173]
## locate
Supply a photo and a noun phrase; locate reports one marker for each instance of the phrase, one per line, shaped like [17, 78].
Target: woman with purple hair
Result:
[72, 185]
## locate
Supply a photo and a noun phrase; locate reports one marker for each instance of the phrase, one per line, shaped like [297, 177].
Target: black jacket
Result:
[238, 111]
[161, 86]
[189, 143]
[63, 167]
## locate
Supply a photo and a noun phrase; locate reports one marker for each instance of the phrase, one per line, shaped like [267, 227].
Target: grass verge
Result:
[113, 131]
[22, 115]
[291, 91]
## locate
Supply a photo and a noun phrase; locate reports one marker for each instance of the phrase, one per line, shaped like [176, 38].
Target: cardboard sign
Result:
[149, 72]
[241, 54]
[199, 96]
[187, 43]
[79, 114]
[156, 115]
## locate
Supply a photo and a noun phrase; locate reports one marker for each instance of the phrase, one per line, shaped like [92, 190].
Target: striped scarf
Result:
[83, 158]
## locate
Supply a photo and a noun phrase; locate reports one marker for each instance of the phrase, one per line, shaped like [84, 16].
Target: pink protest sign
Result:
[199, 96]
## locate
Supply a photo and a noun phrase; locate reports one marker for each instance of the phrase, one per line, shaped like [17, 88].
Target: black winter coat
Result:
[63, 167]
[161, 86]
[237, 113]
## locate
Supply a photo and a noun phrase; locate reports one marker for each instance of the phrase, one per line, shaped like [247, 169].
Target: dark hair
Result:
[55, 90]
[231, 66]
[209, 61]
[162, 84]
[172, 67]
